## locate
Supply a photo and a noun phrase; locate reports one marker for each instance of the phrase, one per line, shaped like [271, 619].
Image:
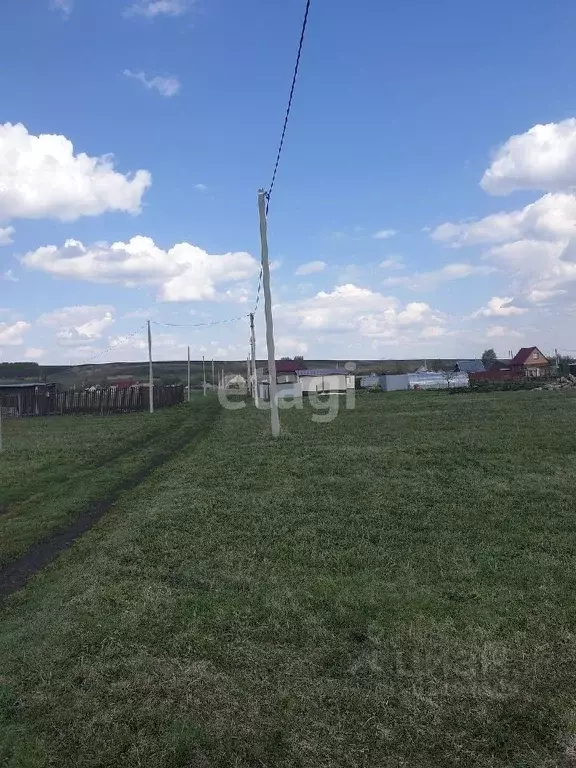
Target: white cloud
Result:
[10, 276]
[153, 8]
[500, 332]
[65, 6]
[542, 158]
[499, 306]
[33, 353]
[201, 187]
[392, 263]
[428, 281]
[433, 332]
[41, 177]
[349, 308]
[166, 86]
[384, 234]
[183, 273]
[311, 267]
[552, 216]
[290, 346]
[6, 235]
[80, 324]
[12, 335]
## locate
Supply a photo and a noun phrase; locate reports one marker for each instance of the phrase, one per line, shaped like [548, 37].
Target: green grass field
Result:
[395, 588]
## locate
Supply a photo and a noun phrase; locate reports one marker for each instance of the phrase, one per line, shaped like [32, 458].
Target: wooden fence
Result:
[111, 400]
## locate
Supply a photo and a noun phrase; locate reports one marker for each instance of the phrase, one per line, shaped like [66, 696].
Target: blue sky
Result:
[151, 124]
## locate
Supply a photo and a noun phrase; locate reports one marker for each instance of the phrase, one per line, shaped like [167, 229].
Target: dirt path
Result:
[16, 574]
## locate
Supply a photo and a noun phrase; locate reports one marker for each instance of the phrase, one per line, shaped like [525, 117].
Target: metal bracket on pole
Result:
[274, 415]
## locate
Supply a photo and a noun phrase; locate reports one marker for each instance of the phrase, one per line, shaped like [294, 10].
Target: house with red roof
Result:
[529, 361]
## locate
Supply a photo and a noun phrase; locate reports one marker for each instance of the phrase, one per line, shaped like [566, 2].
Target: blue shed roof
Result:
[470, 366]
[323, 372]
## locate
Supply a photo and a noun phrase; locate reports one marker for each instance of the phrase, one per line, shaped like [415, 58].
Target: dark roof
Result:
[500, 365]
[287, 366]
[323, 372]
[470, 366]
[22, 384]
[521, 357]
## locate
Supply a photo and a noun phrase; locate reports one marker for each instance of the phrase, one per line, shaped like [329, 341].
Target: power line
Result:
[294, 78]
[283, 136]
[200, 325]
[88, 360]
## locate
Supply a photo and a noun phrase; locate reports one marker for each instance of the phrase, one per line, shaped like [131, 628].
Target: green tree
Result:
[488, 358]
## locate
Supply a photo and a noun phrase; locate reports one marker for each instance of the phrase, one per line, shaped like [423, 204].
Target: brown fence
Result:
[112, 400]
[506, 375]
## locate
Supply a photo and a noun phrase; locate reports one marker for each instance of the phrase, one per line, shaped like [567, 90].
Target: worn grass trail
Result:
[395, 588]
[58, 473]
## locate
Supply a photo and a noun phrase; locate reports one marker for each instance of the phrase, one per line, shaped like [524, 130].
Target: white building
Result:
[326, 381]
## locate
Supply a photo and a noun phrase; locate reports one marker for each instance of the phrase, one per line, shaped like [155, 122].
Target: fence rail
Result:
[112, 400]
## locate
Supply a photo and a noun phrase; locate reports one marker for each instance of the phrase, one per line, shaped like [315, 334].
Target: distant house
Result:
[326, 380]
[120, 382]
[529, 361]
[372, 381]
[286, 371]
[469, 366]
[287, 384]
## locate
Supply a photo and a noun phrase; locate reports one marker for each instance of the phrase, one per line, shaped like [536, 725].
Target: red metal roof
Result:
[287, 366]
[522, 356]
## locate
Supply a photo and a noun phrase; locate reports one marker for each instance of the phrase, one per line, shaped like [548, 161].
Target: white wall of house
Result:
[330, 383]
[284, 390]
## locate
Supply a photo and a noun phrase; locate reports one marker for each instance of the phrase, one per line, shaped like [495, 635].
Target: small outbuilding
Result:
[326, 381]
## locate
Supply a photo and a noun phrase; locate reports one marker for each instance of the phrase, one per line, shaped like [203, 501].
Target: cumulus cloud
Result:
[150, 9]
[500, 332]
[542, 158]
[6, 235]
[290, 346]
[65, 6]
[42, 177]
[311, 267]
[166, 86]
[428, 281]
[12, 335]
[182, 273]
[552, 216]
[349, 308]
[499, 306]
[33, 353]
[392, 263]
[79, 324]
[384, 234]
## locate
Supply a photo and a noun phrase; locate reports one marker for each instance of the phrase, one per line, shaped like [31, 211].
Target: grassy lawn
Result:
[395, 588]
[53, 469]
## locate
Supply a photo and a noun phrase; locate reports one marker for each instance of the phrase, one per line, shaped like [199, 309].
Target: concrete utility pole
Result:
[188, 374]
[150, 371]
[213, 378]
[274, 415]
[204, 374]
[253, 357]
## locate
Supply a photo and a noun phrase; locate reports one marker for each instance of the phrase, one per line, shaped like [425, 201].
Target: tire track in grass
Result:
[16, 574]
[100, 462]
